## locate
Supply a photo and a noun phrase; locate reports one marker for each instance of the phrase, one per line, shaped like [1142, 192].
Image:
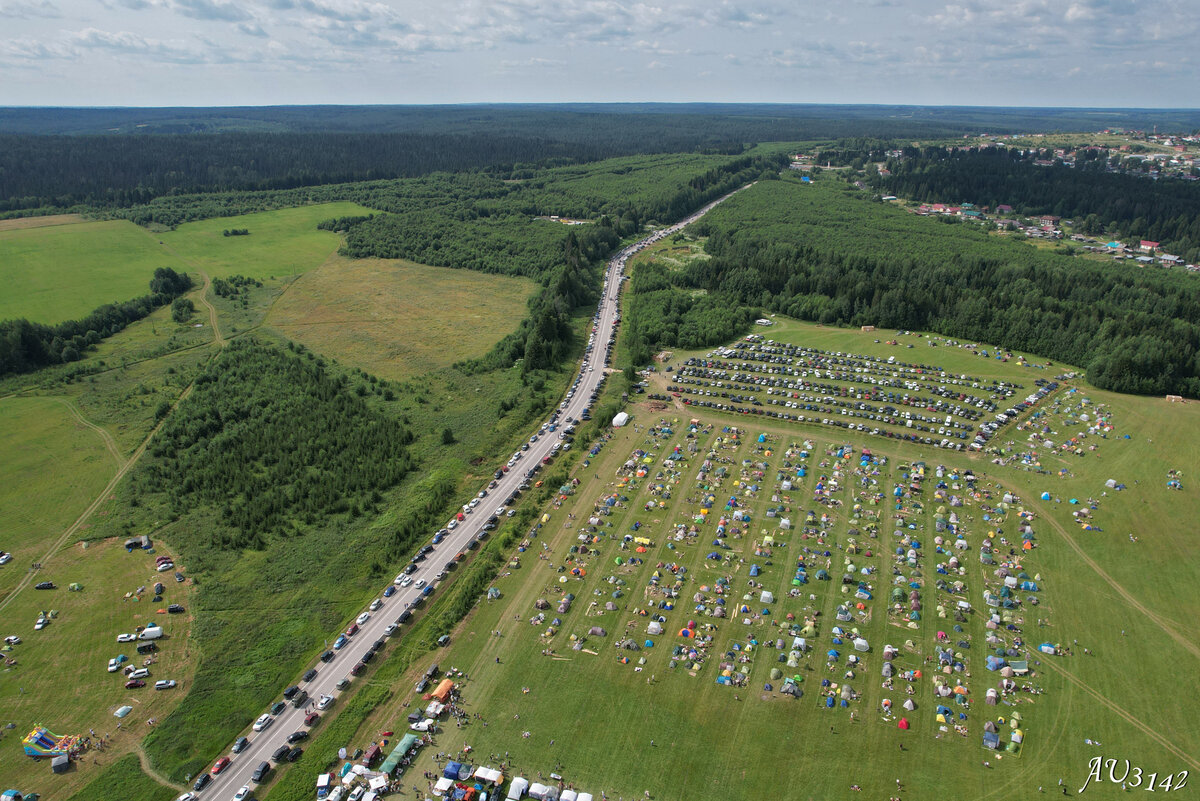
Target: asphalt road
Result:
[264, 743]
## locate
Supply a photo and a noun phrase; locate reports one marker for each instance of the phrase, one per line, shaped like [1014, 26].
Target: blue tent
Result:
[754, 570]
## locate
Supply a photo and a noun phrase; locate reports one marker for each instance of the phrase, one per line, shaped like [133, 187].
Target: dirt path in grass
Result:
[151, 772]
[212, 311]
[1189, 645]
[1128, 717]
[109, 442]
[94, 505]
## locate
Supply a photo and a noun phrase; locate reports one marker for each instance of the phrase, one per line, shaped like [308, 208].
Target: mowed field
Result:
[394, 318]
[60, 681]
[280, 243]
[62, 272]
[673, 730]
[55, 465]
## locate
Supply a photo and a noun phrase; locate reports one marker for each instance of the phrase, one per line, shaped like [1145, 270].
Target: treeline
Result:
[233, 285]
[1098, 201]
[269, 440]
[343, 223]
[824, 252]
[127, 170]
[26, 346]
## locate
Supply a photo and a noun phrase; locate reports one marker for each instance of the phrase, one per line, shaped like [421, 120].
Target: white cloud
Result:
[29, 9]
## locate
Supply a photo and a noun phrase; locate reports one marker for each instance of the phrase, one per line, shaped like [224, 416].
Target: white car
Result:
[263, 722]
[165, 566]
[188, 796]
[363, 618]
[242, 793]
[114, 665]
[324, 702]
[140, 673]
[390, 630]
[453, 524]
[407, 580]
[12, 640]
[375, 605]
[40, 624]
[164, 684]
[428, 724]
[420, 583]
[126, 638]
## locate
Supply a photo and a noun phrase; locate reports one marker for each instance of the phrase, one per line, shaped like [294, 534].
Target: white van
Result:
[151, 633]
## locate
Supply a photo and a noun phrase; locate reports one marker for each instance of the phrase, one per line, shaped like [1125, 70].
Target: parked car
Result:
[294, 754]
[354, 671]
[389, 591]
[133, 684]
[324, 701]
[374, 607]
[263, 722]
[45, 585]
[126, 638]
[140, 673]
[297, 736]
[261, 771]
[340, 642]
[220, 765]
[344, 683]
[363, 618]
[444, 640]
[242, 794]
[311, 718]
[390, 630]
[164, 684]
[327, 656]
[202, 781]
[309, 674]
[175, 609]
[239, 745]
[179, 577]
[280, 753]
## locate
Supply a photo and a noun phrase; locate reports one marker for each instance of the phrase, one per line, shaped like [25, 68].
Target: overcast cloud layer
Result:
[258, 52]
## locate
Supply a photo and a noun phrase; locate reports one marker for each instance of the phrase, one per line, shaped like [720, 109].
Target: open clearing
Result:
[53, 467]
[74, 694]
[685, 735]
[394, 318]
[58, 273]
[283, 242]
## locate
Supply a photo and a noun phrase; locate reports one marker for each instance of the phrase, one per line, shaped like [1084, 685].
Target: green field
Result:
[706, 744]
[394, 318]
[62, 272]
[59, 680]
[280, 243]
[55, 465]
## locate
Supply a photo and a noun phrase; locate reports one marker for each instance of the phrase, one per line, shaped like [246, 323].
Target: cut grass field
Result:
[55, 465]
[1127, 602]
[395, 318]
[60, 679]
[280, 243]
[57, 273]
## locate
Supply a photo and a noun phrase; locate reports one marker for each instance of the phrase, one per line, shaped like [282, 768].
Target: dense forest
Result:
[51, 159]
[26, 346]
[1122, 205]
[825, 252]
[271, 439]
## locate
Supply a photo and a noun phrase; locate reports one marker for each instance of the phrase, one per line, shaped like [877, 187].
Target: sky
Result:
[1104, 53]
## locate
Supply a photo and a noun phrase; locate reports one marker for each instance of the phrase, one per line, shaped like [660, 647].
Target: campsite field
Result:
[394, 318]
[59, 680]
[1126, 602]
[280, 243]
[62, 272]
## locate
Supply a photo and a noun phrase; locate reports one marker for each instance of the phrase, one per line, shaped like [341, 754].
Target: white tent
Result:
[518, 787]
[909, 705]
[489, 775]
[654, 628]
[570, 795]
[785, 523]
[621, 419]
[443, 786]
[861, 644]
[767, 597]
[537, 790]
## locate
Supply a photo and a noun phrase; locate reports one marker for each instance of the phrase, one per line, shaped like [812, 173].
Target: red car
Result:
[133, 684]
[311, 718]
[220, 765]
[350, 632]
[354, 671]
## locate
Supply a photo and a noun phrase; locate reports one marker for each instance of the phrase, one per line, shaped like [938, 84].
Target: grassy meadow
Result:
[56, 273]
[394, 318]
[281, 243]
[60, 679]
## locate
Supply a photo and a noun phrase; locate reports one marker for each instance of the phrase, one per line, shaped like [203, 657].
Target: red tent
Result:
[903, 724]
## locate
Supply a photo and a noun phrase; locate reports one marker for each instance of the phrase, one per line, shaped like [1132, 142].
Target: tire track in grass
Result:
[1128, 717]
[109, 442]
[1188, 645]
[95, 504]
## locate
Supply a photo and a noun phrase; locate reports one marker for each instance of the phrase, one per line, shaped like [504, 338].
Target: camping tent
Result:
[518, 788]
